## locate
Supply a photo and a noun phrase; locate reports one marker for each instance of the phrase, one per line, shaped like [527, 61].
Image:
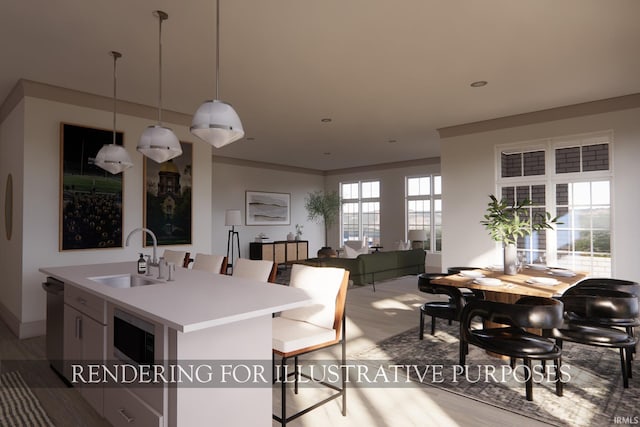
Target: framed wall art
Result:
[90, 197]
[167, 198]
[264, 208]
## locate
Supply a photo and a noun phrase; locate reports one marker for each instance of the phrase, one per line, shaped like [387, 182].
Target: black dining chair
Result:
[585, 286]
[448, 309]
[511, 337]
[591, 318]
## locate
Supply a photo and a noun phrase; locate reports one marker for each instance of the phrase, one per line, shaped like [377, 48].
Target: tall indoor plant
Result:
[506, 222]
[323, 207]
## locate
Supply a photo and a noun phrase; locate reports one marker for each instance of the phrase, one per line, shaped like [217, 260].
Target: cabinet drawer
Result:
[87, 303]
[123, 408]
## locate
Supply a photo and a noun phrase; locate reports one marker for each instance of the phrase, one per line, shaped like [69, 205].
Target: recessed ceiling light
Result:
[325, 120]
[392, 141]
[479, 83]
[327, 153]
[250, 138]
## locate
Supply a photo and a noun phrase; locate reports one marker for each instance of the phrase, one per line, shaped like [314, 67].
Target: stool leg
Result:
[433, 325]
[421, 325]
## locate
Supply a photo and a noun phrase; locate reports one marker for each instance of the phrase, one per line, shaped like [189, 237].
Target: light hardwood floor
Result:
[371, 317]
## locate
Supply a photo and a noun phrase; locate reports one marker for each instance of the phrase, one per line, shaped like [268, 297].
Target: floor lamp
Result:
[232, 218]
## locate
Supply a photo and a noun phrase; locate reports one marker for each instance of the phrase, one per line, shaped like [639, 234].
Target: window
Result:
[360, 211]
[569, 178]
[424, 208]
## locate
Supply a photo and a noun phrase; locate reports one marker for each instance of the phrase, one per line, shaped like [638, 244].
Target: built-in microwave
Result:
[133, 338]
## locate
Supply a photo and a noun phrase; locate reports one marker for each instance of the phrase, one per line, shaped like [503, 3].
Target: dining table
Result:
[534, 280]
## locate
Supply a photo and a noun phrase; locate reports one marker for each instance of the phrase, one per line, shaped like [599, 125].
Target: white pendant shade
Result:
[113, 158]
[159, 144]
[217, 123]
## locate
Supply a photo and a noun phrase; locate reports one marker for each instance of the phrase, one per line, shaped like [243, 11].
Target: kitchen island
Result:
[198, 319]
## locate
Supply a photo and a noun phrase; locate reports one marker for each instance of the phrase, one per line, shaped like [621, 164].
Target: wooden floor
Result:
[372, 317]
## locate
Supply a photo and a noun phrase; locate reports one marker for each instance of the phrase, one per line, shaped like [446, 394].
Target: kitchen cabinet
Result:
[84, 339]
[197, 319]
[280, 252]
[123, 408]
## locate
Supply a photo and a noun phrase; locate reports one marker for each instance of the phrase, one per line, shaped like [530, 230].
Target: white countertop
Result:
[195, 300]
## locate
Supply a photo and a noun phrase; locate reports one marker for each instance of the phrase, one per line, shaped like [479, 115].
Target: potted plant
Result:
[323, 206]
[507, 222]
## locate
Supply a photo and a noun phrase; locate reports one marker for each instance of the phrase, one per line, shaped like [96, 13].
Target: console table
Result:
[280, 252]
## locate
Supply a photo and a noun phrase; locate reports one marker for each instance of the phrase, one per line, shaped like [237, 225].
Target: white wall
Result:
[392, 201]
[468, 178]
[41, 193]
[231, 179]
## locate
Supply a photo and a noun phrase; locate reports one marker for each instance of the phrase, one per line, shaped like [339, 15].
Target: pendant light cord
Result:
[115, 55]
[217, 46]
[161, 17]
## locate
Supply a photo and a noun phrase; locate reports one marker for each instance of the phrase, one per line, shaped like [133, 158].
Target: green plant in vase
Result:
[506, 222]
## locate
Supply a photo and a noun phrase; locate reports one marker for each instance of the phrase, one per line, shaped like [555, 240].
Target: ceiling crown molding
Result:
[567, 112]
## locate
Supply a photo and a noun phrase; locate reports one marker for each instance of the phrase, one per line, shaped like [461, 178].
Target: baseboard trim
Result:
[32, 329]
[20, 329]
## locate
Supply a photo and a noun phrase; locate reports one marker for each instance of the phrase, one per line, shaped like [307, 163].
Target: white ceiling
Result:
[382, 70]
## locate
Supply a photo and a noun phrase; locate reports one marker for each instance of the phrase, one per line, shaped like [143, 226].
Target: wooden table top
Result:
[518, 284]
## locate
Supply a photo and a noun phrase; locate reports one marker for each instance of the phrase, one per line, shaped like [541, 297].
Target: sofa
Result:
[376, 266]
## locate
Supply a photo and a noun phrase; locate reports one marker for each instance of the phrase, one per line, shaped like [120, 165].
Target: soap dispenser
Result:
[142, 265]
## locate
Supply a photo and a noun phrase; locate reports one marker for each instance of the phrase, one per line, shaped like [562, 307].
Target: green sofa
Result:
[376, 266]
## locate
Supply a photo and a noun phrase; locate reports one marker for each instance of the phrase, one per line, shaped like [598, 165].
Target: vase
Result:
[510, 259]
[290, 237]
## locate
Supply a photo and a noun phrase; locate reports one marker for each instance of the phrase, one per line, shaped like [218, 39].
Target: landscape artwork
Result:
[264, 208]
[91, 198]
[167, 188]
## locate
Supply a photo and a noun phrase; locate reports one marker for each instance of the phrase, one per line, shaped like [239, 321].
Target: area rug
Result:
[593, 391]
[18, 405]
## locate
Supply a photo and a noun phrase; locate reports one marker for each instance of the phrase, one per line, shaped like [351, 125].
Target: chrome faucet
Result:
[154, 260]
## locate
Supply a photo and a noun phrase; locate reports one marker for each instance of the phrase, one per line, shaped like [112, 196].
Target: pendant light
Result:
[112, 157]
[157, 142]
[216, 122]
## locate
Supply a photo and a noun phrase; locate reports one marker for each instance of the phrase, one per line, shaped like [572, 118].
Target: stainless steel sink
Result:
[124, 280]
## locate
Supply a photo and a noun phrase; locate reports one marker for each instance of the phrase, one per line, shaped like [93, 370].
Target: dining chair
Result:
[585, 286]
[449, 309]
[512, 339]
[317, 326]
[178, 258]
[260, 270]
[212, 263]
[591, 319]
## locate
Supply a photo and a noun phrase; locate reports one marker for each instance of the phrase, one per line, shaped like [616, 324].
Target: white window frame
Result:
[360, 201]
[550, 179]
[431, 197]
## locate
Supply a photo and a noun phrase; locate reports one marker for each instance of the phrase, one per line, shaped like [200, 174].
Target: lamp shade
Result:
[233, 217]
[159, 144]
[217, 123]
[417, 235]
[113, 158]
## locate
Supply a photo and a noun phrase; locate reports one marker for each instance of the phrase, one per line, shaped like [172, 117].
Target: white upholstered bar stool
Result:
[213, 263]
[313, 327]
[261, 270]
